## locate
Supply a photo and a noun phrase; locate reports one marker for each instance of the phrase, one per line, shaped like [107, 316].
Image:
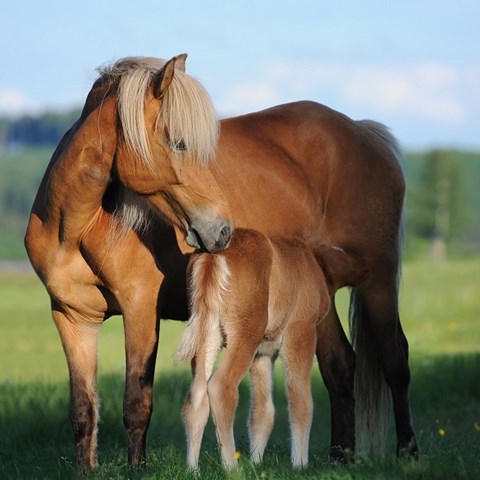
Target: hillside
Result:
[21, 170]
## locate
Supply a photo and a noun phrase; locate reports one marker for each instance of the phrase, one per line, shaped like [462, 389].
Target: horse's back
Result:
[305, 170]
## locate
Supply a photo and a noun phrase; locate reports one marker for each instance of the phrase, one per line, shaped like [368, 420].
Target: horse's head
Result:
[168, 132]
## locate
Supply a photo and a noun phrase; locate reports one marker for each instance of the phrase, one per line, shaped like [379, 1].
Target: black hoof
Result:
[408, 450]
[341, 456]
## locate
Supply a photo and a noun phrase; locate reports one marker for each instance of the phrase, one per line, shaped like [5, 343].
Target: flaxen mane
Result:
[187, 112]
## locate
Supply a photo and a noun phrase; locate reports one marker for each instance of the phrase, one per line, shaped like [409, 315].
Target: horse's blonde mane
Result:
[186, 113]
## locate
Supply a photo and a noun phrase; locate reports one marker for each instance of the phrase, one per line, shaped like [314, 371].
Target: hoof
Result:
[341, 456]
[408, 450]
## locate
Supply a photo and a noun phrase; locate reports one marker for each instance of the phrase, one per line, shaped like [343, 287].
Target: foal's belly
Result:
[269, 348]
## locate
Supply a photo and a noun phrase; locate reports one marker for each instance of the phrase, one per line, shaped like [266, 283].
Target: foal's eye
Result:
[178, 145]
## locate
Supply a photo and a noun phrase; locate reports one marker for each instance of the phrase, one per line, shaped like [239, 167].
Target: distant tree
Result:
[438, 210]
[4, 127]
[36, 130]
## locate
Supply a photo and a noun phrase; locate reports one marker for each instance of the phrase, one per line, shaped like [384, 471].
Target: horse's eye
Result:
[178, 145]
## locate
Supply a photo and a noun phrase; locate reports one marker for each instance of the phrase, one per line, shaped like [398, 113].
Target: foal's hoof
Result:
[86, 467]
[341, 456]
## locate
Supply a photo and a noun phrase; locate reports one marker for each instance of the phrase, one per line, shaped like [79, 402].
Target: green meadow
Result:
[440, 309]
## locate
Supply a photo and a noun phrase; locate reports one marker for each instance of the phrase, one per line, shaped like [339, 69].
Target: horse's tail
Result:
[372, 396]
[371, 392]
[208, 281]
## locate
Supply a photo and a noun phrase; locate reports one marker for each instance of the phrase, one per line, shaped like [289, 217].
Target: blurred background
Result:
[413, 66]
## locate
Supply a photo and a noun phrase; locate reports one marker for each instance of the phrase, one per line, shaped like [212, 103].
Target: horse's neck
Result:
[78, 178]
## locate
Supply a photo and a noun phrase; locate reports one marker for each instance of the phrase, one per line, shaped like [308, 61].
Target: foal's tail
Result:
[209, 280]
[372, 395]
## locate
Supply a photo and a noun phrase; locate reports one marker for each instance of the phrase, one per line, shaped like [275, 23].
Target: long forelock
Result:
[186, 113]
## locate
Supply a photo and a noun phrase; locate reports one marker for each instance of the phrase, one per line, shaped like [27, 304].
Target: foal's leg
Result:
[297, 351]
[223, 390]
[80, 342]
[382, 307]
[197, 407]
[262, 410]
[336, 360]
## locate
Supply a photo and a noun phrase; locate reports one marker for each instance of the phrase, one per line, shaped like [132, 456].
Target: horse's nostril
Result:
[225, 233]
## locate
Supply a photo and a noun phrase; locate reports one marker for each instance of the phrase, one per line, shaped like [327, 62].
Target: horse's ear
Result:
[164, 77]
[180, 62]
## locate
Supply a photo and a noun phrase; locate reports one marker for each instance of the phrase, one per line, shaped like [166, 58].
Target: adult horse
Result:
[145, 147]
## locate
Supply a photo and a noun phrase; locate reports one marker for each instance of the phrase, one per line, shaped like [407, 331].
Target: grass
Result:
[440, 313]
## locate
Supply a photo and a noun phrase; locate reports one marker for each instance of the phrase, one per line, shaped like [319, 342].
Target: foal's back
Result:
[281, 274]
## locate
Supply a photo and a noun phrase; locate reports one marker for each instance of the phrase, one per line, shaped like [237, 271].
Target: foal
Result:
[258, 298]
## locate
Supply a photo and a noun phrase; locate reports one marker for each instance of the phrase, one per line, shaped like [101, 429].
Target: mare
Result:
[261, 297]
[146, 174]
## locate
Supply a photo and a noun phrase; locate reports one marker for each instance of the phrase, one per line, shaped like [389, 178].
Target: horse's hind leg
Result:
[262, 410]
[223, 391]
[382, 310]
[297, 351]
[196, 407]
[336, 360]
[80, 343]
[141, 339]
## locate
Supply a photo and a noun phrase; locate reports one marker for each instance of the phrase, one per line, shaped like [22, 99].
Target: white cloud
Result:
[14, 102]
[428, 91]
[247, 97]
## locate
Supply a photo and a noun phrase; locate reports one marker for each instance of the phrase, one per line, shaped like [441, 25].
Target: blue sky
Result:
[414, 66]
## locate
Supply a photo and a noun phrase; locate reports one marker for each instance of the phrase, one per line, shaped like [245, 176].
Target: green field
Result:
[440, 308]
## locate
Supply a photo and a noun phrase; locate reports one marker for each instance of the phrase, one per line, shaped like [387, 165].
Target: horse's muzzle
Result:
[211, 237]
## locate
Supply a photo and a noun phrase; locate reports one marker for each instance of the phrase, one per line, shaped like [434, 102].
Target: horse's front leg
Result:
[80, 342]
[141, 342]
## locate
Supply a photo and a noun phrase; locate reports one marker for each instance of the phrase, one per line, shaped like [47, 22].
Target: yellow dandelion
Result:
[476, 426]
[441, 432]
[237, 455]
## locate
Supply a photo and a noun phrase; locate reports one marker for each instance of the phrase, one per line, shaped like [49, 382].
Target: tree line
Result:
[438, 208]
[441, 206]
[35, 130]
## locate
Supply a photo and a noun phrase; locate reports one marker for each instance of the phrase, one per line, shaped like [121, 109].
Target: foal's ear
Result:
[164, 77]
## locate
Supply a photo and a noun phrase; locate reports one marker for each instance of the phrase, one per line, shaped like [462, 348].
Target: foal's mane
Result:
[186, 112]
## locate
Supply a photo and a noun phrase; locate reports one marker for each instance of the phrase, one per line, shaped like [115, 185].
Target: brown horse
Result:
[141, 151]
[261, 297]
